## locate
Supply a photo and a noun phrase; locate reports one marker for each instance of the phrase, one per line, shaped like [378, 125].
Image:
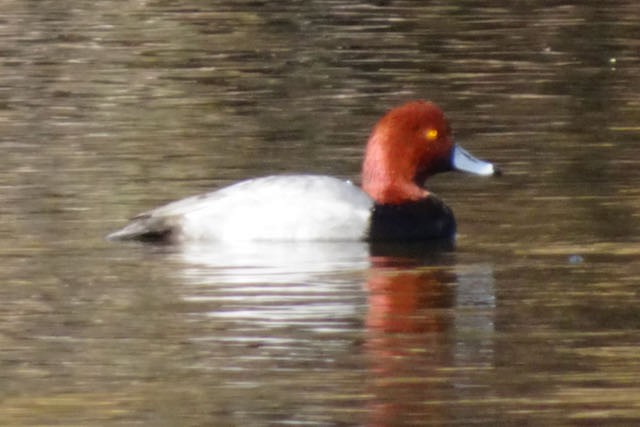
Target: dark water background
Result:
[108, 108]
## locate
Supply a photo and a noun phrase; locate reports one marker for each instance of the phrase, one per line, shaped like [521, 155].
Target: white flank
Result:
[287, 207]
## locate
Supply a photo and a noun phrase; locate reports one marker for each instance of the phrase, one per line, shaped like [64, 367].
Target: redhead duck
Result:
[408, 144]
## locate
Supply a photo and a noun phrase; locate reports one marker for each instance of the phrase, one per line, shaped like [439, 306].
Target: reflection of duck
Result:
[275, 285]
[409, 301]
[409, 322]
[409, 144]
[416, 315]
[272, 262]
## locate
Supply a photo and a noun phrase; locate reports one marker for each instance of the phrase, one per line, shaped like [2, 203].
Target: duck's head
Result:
[409, 144]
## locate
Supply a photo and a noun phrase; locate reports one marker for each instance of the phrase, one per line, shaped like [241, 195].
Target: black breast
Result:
[426, 219]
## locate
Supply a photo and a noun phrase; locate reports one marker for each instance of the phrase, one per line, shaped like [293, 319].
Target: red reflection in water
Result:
[408, 323]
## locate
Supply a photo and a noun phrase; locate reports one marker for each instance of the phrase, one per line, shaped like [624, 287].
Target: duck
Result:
[409, 144]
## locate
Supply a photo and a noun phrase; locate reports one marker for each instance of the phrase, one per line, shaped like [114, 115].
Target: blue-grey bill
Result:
[463, 161]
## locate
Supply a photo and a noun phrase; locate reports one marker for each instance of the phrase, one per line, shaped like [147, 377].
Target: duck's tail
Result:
[144, 228]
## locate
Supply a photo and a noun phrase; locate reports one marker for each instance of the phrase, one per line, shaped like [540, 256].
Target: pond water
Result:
[109, 108]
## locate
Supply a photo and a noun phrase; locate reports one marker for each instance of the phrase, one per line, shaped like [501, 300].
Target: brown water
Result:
[108, 108]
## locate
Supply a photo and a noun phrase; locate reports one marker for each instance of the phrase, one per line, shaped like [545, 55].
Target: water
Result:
[110, 108]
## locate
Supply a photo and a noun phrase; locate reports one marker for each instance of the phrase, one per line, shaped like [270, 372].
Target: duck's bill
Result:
[463, 161]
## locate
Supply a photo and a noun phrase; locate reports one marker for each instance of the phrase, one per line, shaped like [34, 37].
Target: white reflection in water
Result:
[277, 284]
[323, 285]
[275, 262]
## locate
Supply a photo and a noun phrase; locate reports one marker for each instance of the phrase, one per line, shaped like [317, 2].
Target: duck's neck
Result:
[388, 177]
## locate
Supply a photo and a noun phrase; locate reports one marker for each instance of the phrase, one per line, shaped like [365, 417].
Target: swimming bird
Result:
[408, 144]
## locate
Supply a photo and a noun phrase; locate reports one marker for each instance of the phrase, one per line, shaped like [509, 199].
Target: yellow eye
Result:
[431, 134]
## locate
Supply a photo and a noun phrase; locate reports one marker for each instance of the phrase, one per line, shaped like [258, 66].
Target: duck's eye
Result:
[431, 134]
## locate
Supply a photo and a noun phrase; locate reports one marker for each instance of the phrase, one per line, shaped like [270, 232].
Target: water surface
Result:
[110, 108]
